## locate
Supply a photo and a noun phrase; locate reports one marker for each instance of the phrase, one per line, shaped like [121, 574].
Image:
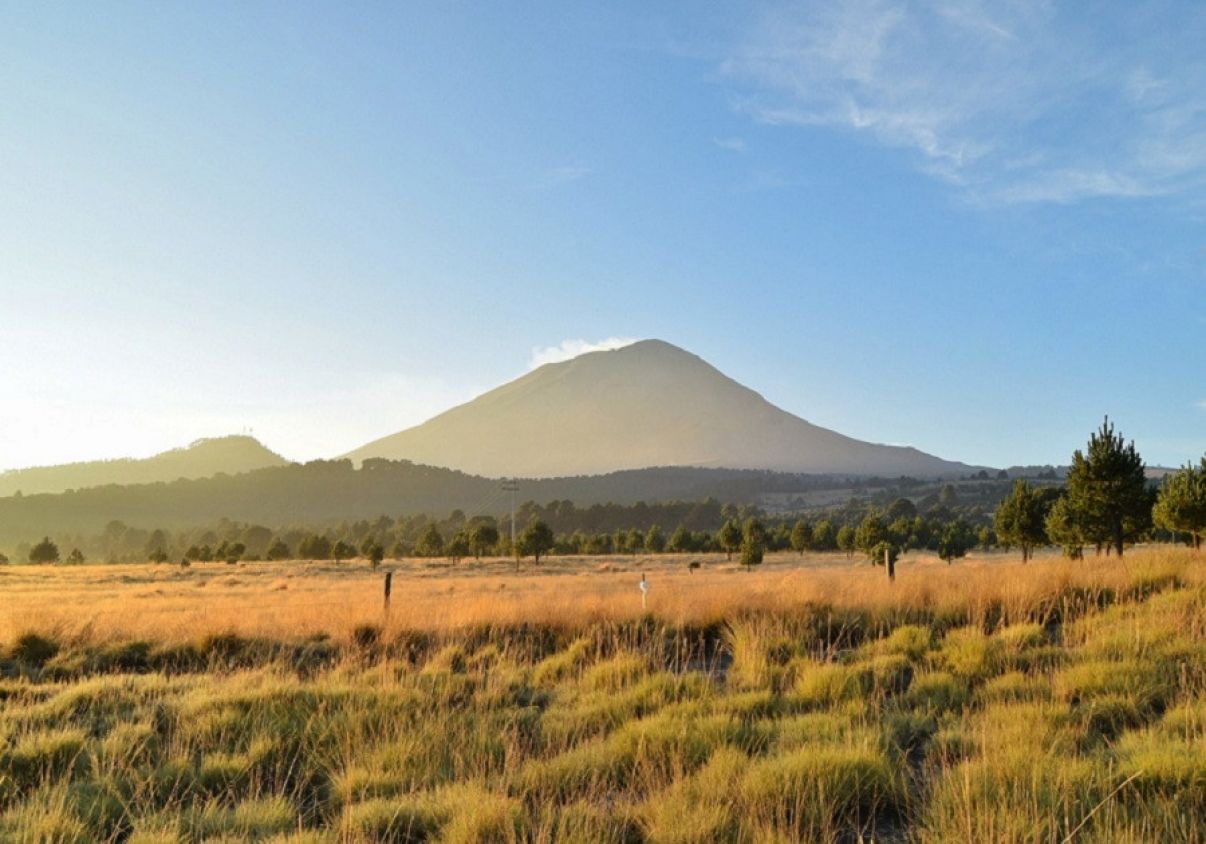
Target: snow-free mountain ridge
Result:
[201, 459]
[647, 404]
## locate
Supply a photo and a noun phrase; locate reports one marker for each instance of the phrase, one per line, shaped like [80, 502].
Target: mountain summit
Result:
[648, 404]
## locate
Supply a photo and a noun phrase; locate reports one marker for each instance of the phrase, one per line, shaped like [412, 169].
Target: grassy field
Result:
[806, 700]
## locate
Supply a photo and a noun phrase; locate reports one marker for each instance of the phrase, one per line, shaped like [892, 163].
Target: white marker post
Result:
[644, 593]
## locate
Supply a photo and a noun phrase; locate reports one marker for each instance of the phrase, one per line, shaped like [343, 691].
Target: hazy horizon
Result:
[967, 229]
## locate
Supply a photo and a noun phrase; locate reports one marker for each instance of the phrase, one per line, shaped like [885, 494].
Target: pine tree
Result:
[845, 540]
[871, 532]
[801, 536]
[536, 539]
[1181, 503]
[1064, 528]
[824, 537]
[955, 541]
[753, 542]
[44, 552]
[655, 542]
[1107, 489]
[1021, 519]
[680, 540]
[729, 538]
[431, 543]
[634, 543]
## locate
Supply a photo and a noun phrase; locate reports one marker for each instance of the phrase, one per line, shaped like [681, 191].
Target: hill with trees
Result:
[202, 459]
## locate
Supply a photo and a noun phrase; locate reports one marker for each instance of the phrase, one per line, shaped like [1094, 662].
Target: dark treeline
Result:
[679, 526]
[328, 492]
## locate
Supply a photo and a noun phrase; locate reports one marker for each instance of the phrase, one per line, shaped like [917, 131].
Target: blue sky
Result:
[971, 227]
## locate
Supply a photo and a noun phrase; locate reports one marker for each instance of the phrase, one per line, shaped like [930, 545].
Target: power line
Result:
[512, 486]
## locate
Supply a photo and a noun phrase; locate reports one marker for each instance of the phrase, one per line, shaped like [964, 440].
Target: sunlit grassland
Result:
[984, 701]
[293, 599]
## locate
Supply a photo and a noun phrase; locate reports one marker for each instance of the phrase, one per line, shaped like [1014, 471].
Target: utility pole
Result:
[512, 487]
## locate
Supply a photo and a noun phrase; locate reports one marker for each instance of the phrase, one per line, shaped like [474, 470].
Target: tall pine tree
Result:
[1107, 490]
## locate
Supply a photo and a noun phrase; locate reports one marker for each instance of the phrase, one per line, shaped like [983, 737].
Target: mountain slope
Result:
[648, 404]
[201, 459]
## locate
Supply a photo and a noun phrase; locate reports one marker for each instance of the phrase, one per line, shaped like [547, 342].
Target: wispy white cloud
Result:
[1014, 102]
[1068, 185]
[557, 176]
[567, 349]
[733, 144]
[1202, 404]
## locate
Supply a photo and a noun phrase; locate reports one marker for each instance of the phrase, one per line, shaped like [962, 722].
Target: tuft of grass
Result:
[1022, 637]
[1164, 766]
[911, 641]
[1015, 686]
[43, 757]
[101, 805]
[450, 659]
[247, 820]
[404, 819]
[563, 664]
[937, 692]
[874, 679]
[46, 817]
[822, 792]
[616, 674]
[1145, 683]
[1105, 717]
[698, 809]
[828, 685]
[592, 822]
[971, 654]
[760, 646]
[224, 774]
[480, 816]
[33, 649]
[1014, 795]
[831, 726]
[594, 767]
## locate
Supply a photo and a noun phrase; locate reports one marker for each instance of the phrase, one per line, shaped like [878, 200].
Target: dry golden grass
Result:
[287, 600]
[806, 701]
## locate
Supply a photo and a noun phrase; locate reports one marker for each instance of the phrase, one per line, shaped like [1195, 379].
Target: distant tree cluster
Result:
[1181, 503]
[1107, 503]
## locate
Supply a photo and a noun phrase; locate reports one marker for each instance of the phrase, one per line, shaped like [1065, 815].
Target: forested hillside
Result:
[201, 459]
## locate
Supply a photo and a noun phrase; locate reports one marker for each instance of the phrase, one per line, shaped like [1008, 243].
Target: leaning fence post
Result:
[389, 584]
[890, 563]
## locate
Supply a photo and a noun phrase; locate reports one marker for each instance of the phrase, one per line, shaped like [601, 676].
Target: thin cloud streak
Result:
[1009, 102]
